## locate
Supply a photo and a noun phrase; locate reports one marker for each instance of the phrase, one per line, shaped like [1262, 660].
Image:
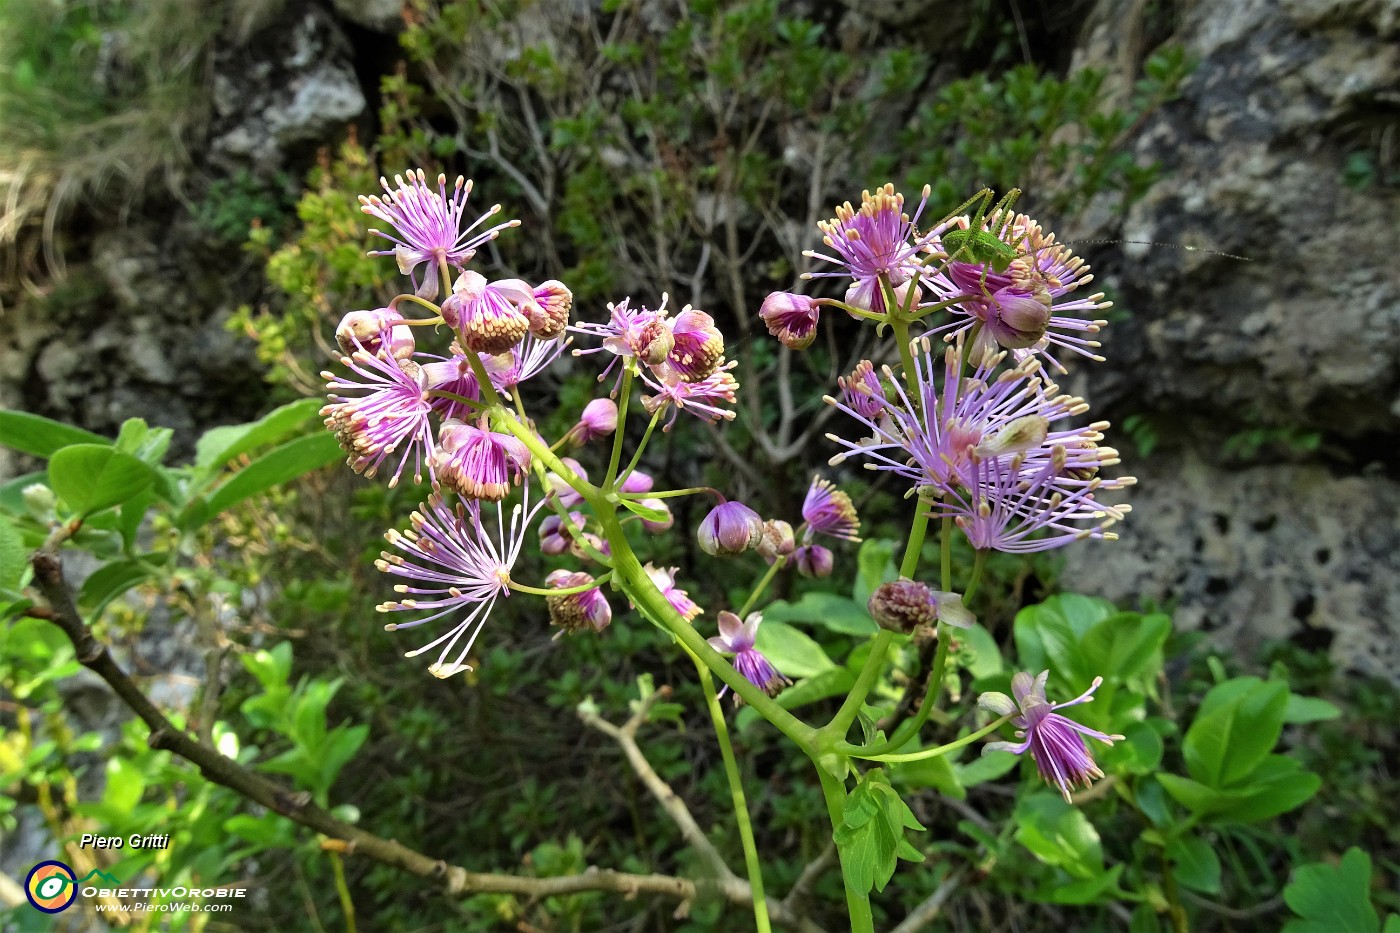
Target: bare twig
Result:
[342, 837]
[920, 917]
[734, 888]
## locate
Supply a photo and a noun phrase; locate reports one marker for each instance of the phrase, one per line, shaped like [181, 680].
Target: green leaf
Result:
[836, 613]
[647, 512]
[1238, 725]
[1059, 834]
[93, 477]
[986, 767]
[1048, 636]
[41, 436]
[13, 559]
[792, 652]
[281, 465]
[871, 836]
[1197, 865]
[1333, 899]
[218, 446]
[875, 565]
[831, 683]
[1193, 795]
[1300, 710]
[111, 580]
[1127, 644]
[980, 653]
[1278, 785]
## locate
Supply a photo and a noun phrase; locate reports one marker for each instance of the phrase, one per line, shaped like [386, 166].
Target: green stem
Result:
[762, 585]
[646, 436]
[343, 891]
[632, 579]
[736, 792]
[924, 753]
[670, 493]
[618, 433]
[857, 902]
[453, 396]
[566, 591]
[483, 379]
[979, 561]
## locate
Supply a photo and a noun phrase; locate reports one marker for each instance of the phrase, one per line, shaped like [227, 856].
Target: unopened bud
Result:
[903, 605]
[655, 342]
[813, 560]
[378, 331]
[778, 540]
[549, 311]
[730, 528]
[792, 318]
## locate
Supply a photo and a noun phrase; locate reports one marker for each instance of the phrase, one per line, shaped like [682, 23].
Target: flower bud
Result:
[636, 482]
[778, 540]
[697, 345]
[902, 605]
[555, 535]
[549, 311]
[39, 501]
[654, 342]
[791, 318]
[576, 612]
[375, 331]
[598, 420]
[813, 560]
[1017, 319]
[730, 528]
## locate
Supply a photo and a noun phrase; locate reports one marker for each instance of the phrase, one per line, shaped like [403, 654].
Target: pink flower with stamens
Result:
[737, 637]
[427, 224]
[487, 316]
[1055, 742]
[388, 413]
[452, 562]
[701, 399]
[829, 511]
[664, 578]
[1032, 308]
[697, 346]
[877, 240]
[577, 612]
[477, 463]
[792, 318]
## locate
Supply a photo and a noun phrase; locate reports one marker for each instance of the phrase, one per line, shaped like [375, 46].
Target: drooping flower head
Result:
[664, 579]
[829, 511]
[730, 528]
[903, 605]
[778, 540]
[863, 392]
[388, 413]
[1054, 741]
[877, 239]
[697, 346]
[427, 224]
[629, 332]
[488, 317]
[813, 560]
[577, 612]
[549, 312]
[453, 563]
[478, 463]
[1031, 308]
[556, 535]
[599, 419]
[379, 331]
[737, 637]
[792, 318]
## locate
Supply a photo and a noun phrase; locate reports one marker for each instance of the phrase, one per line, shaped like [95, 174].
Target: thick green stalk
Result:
[857, 902]
[632, 579]
[923, 753]
[736, 792]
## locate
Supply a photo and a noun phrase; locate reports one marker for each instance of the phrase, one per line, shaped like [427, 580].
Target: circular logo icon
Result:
[51, 886]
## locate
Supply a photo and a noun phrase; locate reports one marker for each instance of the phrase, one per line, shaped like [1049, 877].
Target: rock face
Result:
[1302, 339]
